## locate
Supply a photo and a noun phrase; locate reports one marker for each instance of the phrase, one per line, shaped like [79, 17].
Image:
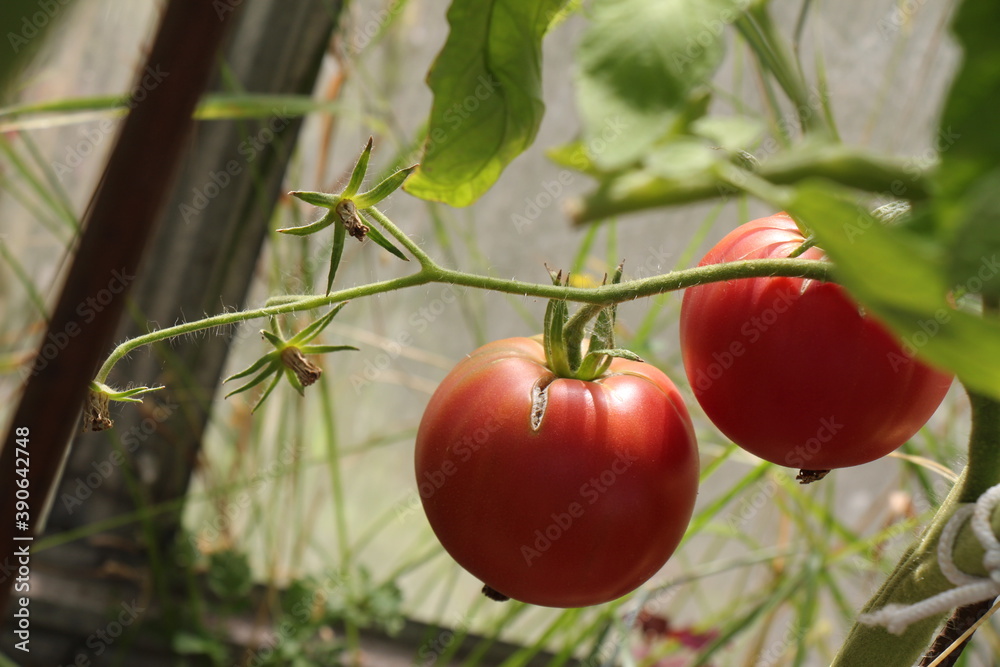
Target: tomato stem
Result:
[431, 272]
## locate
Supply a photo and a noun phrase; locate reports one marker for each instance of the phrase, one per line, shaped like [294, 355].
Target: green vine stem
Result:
[917, 576]
[431, 272]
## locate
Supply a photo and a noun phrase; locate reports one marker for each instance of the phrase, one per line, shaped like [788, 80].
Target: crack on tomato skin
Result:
[540, 400]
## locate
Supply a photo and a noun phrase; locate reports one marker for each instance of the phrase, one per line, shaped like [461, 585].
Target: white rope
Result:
[969, 589]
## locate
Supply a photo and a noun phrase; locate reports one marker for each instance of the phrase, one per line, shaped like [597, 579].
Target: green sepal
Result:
[314, 328]
[252, 383]
[253, 368]
[324, 349]
[122, 396]
[336, 252]
[556, 314]
[323, 199]
[383, 189]
[272, 339]
[375, 235]
[313, 227]
[620, 353]
[358, 175]
[267, 392]
[294, 381]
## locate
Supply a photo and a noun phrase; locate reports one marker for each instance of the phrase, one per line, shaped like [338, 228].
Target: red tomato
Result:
[791, 370]
[556, 491]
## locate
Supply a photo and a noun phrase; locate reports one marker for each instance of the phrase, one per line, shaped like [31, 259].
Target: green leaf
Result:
[680, 158]
[640, 61]
[229, 574]
[734, 133]
[899, 277]
[976, 246]
[487, 85]
[969, 146]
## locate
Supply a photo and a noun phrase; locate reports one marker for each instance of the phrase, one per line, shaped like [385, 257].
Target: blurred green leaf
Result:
[639, 63]
[487, 97]
[734, 133]
[903, 279]
[680, 158]
[229, 574]
[967, 212]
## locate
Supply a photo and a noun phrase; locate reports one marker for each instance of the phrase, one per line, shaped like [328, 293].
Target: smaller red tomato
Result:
[556, 491]
[792, 370]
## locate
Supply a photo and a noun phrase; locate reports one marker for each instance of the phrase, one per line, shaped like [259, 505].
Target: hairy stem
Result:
[430, 272]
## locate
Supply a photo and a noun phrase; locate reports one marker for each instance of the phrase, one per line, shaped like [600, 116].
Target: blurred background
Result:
[196, 533]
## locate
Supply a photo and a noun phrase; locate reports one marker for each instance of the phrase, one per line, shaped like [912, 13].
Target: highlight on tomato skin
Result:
[792, 370]
[572, 500]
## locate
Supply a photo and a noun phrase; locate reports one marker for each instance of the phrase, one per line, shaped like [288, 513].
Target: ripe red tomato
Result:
[791, 370]
[556, 491]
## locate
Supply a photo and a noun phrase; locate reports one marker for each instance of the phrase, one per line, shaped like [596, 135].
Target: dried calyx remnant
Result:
[810, 476]
[306, 371]
[348, 213]
[96, 415]
[494, 594]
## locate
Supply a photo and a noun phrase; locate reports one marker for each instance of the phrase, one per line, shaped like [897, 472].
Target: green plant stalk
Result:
[758, 30]
[917, 576]
[431, 272]
[853, 167]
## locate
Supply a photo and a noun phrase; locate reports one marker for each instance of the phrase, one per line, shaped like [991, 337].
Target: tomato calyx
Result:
[96, 413]
[564, 336]
[810, 476]
[348, 209]
[288, 359]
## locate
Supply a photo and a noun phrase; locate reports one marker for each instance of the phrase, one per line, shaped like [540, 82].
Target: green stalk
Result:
[431, 272]
[917, 576]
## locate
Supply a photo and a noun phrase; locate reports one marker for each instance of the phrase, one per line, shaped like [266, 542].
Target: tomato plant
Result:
[793, 370]
[556, 491]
